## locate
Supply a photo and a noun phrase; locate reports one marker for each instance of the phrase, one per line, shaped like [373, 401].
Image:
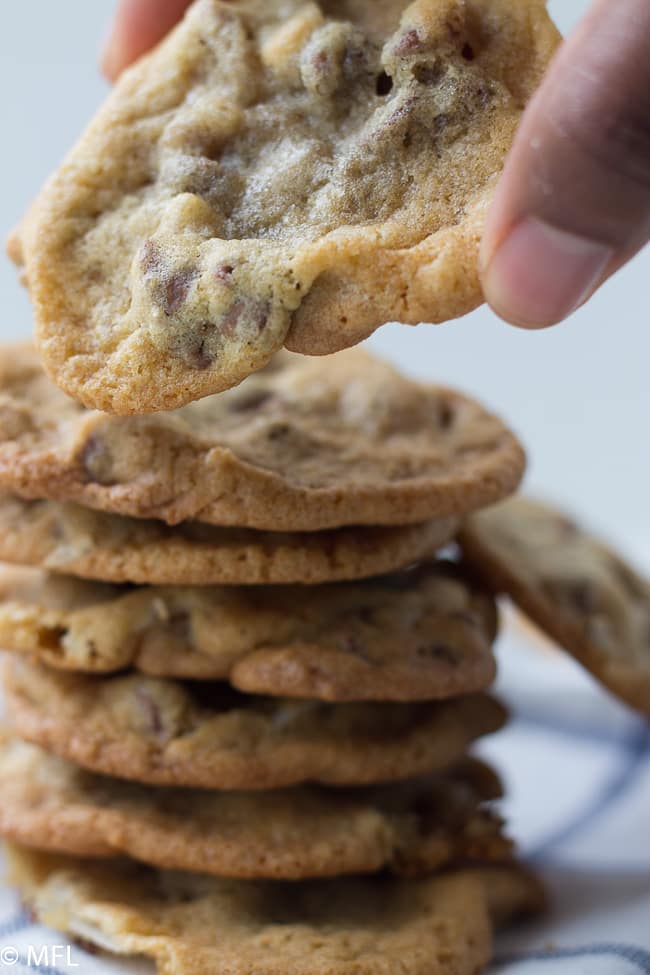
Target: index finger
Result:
[137, 26]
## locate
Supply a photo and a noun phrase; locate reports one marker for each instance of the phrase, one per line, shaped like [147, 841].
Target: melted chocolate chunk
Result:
[438, 651]
[151, 711]
[409, 43]
[96, 461]
[175, 290]
[252, 401]
[150, 259]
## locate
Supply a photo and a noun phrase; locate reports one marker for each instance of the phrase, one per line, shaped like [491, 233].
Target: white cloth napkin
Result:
[577, 771]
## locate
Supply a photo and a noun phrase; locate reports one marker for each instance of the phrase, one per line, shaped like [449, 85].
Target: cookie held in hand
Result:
[276, 172]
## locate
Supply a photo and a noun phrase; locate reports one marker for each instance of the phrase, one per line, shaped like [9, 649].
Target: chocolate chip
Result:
[199, 357]
[257, 312]
[151, 710]
[170, 287]
[438, 651]
[200, 348]
[91, 647]
[251, 401]
[231, 319]
[278, 430]
[582, 597]
[96, 460]
[408, 43]
[175, 290]
[150, 258]
[180, 625]
[353, 645]
[467, 52]
[51, 637]
[261, 316]
[446, 415]
[87, 946]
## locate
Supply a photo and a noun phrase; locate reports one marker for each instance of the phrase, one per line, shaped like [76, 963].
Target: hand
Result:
[573, 204]
[137, 26]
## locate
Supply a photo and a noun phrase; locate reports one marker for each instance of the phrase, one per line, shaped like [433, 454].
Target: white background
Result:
[579, 394]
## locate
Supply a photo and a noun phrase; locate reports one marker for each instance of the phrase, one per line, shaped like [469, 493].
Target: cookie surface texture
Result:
[304, 445]
[207, 736]
[575, 588]
[276, 172]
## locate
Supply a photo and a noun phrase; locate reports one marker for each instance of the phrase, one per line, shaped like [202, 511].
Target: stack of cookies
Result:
[242, 677]
[242, 681]
[246, 658]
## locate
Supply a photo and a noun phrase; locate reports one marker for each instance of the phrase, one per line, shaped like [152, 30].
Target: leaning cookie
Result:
[421, 826]
[67, 538]
[276, 172]
[193, 925]
[207, 736]
[420, 634]
[577, 590]
[303, 445]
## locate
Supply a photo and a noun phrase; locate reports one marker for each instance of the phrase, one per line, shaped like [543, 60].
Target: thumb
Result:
[574, 200]
[136, 27]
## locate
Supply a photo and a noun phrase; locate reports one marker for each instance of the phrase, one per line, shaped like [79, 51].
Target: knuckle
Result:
[616, 140]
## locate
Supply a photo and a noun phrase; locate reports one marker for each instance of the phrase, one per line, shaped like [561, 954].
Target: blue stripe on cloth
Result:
[41, 969]
[595, 735]
[636, 750]
[632, 954]
[18, 922]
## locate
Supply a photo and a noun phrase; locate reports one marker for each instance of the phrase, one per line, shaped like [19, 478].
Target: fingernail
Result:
[109, 58]
[539, 275]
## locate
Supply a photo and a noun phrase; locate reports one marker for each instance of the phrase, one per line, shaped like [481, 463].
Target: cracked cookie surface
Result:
[293, 834]
[576, 589]
[208, 736]
[303, 445]
[418, 635]
[194, 925]
[276, 172]
[69, 539]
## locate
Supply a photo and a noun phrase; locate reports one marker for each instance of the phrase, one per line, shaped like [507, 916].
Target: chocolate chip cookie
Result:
[193, 925]
[304, 445]
[276, 172]
[575, 588]
[207, 736]
[69, 539]
[292, 834]
[421, 634]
